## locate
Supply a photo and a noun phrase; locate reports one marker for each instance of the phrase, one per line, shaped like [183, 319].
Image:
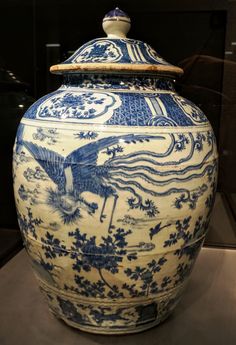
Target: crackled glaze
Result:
[114, 178]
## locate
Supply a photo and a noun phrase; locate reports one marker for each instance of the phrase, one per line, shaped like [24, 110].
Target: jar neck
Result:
[114, 82]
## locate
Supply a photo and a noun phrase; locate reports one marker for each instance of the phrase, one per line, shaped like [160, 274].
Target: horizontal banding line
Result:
[96, 328]
[151, 253]
[101, 302]
[103, 128]
[116, 90]
[125, 67]
[116, 19]
[171, 220]
[127, 328]
[99, 120]
[92, 165]
[114, 331]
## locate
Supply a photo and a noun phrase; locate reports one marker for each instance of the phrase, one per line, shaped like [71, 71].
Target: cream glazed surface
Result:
[114, 178]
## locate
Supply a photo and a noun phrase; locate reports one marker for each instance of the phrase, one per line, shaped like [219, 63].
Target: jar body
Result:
[114, 184]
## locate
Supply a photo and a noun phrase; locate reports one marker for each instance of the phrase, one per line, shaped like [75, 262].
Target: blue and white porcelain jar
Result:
[115, 177]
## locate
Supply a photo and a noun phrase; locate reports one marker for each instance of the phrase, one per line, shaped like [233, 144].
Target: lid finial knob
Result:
[116, 23]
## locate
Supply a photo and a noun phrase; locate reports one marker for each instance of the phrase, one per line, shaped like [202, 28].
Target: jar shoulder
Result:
[117, 107]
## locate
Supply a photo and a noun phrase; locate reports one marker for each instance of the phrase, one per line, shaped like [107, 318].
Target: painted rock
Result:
[114, 178]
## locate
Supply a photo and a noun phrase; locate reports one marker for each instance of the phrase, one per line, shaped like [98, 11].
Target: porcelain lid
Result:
[116, 53]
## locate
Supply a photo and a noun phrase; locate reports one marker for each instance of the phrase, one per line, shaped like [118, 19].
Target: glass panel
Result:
[16, 90]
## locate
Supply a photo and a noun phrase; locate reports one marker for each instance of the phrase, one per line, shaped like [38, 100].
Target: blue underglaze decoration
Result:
[86, 135]
[209, 203]
[161, 121]
[103, 314]
[192, 198]
[147, 313]
[28, 223]
[146, 276]
[118, 318]
[30, 195]
[79, 172]
[113, 217]
[182, 111]
[181, 233]
[116, 82]
[136, 109]
[78, 106]
[115, 50]
[53, 247]
[183, 272]
[70, 311]
[47, 135]
[191, 241]
[116, 13]
[156, 229]
[37, 174]
[98, 50]
[78, 313]
[143, 53]
[106, 256]
[19, 138]
[88, 254]
[46, 271]
[70, 175]
[33, 109]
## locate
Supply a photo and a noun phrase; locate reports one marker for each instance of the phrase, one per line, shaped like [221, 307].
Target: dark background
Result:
[198, 36]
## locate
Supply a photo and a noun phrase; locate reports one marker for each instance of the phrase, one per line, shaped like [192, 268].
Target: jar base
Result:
[111, 317]
[107, 331]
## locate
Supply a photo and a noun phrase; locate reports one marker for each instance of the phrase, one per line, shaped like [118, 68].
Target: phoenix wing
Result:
[51, 162]
[85, 158]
